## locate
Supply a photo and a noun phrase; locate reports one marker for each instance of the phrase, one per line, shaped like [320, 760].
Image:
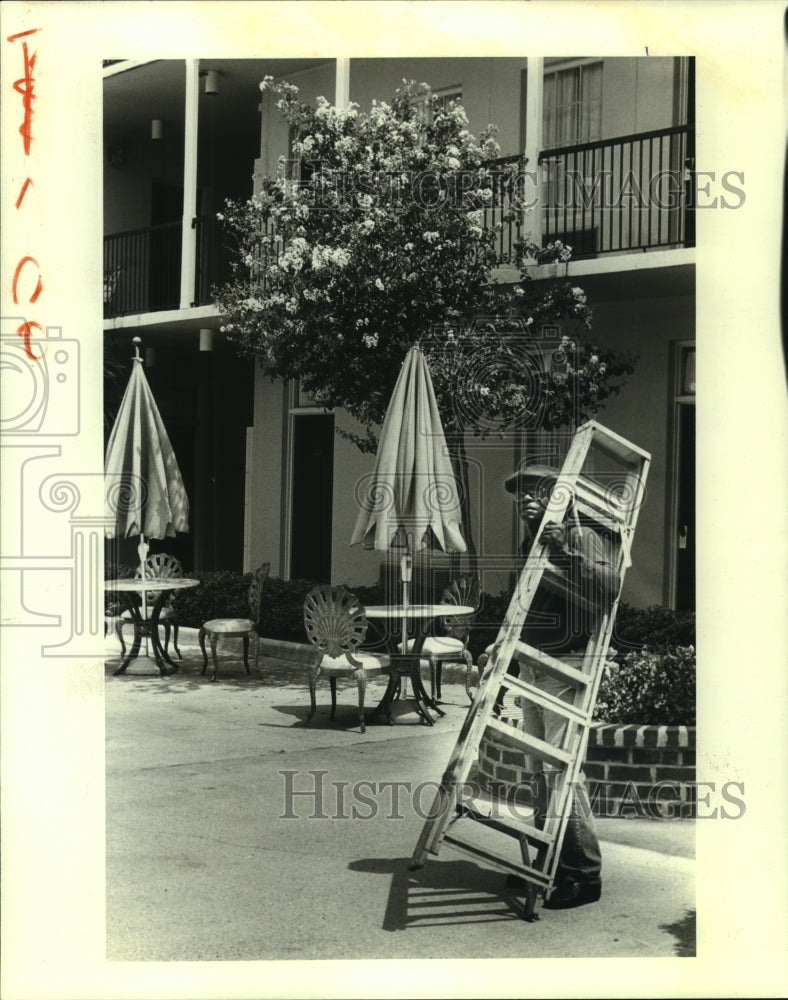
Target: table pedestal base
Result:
[418, 705]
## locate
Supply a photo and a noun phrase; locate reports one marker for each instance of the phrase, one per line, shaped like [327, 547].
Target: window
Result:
[573, 105]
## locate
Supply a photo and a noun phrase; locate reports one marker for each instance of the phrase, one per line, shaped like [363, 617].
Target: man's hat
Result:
[531, 474]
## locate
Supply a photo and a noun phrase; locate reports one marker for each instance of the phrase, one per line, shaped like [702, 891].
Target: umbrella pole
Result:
[142, 552]
[406, 572]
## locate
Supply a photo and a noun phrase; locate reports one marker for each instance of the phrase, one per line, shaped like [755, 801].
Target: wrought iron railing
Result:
[616, 195]
[612, 196]
[213, 259]
[142, 270]
[503, 201]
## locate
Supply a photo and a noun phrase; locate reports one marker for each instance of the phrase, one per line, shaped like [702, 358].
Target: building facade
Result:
[608, 145]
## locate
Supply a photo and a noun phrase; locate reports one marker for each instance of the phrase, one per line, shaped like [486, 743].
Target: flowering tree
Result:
[382, 231]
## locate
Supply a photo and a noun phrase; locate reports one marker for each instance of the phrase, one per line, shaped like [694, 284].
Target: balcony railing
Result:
[511, 230]
[142, 268]
[618, 195]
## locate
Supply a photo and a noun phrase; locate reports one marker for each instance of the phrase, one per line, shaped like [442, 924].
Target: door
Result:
[165, 246]
[312, 493]
[685, 556]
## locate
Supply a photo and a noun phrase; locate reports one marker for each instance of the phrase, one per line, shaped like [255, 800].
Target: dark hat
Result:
[531, 474]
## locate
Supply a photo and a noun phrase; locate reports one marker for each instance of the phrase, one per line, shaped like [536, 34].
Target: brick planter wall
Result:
[641, 770]
[630, 770]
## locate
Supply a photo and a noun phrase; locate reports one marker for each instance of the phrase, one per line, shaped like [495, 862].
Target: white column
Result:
[342, 95]
[189, 233]
[534, 100]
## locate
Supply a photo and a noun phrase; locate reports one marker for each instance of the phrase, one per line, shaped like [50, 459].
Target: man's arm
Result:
[584, 556]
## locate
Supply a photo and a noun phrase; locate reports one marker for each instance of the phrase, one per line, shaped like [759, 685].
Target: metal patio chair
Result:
[336, 623]
[237, 628]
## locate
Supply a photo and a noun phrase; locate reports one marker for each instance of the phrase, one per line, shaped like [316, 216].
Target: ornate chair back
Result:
[463, 590]
[162, 566]
[334, 620]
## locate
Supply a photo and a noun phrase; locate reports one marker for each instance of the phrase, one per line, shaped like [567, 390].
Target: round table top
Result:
[417, 610]
[151, 584]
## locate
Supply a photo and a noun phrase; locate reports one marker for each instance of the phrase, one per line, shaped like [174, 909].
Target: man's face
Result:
[532, 498]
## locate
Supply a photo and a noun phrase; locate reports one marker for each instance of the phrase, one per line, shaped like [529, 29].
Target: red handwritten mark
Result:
[28, 183]
[24, 331]
[25, 86]
[39, 286]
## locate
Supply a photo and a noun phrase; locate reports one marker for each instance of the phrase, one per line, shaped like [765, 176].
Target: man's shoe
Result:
[570, 894]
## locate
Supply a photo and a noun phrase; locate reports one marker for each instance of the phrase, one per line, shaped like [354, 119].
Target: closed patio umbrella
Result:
[411, 500]
[145, 494]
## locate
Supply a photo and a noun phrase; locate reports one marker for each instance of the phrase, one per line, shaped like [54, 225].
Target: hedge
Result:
[656, 687]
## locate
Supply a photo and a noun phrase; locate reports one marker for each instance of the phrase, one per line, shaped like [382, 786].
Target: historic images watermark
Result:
[311, 795]
[515, 188]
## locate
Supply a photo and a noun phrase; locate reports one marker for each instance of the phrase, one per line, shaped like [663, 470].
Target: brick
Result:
[618, 754]
[651, 735]
[594, 771]
[491, 752]
[616, 789]
[486, 771]
[624, 772]
[675, 774]
[507, 774]
[643, 755]
[512, 757]
[630, 735]
[626, 800]
[687, 758]
[608, 736]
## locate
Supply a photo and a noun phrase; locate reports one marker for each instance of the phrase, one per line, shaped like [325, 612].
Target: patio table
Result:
[148, 627]
[408, 663]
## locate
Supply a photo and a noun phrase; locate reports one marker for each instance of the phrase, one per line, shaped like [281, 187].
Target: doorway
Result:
[312, 497]
[164, 278]
[682, 535]
[685, 555]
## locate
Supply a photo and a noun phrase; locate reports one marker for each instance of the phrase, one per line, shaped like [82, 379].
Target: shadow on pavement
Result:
[441, 894]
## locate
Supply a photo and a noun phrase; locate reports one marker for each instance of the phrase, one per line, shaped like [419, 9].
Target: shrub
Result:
[488, 622]
[656, 627]
[224, 594]
[653, 687]
[652, 681]
[221, 594]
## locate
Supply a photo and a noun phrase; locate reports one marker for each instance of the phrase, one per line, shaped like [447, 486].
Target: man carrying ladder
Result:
[550, 652]
[560, 622]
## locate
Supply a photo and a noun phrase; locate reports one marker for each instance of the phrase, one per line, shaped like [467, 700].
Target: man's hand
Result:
[555, 536]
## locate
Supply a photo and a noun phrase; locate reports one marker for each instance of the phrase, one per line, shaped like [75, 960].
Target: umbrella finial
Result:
[137, 344]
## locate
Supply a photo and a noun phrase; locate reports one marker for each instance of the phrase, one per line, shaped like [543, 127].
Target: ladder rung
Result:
[526, 872]
[509, 824]
[546, 700]
[524, 741]
[550, 665]
[613, 444]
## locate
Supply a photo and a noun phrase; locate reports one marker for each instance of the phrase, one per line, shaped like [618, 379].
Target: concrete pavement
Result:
[236, 833]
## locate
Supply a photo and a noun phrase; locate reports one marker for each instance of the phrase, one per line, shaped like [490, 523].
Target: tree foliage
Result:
[381, 232]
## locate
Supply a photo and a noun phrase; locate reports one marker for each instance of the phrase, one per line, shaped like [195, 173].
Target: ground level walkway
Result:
[235, 833]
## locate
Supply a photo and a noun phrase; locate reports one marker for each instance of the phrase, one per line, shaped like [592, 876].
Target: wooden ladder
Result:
[603, 477]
